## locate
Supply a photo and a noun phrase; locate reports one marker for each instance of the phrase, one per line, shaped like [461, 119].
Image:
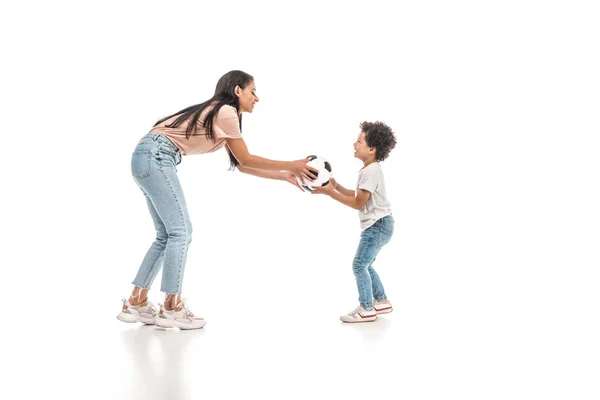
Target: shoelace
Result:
[355, 311]
[188, 313]
[152, 307]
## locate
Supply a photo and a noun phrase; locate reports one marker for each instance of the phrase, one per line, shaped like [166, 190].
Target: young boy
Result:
[373, 145]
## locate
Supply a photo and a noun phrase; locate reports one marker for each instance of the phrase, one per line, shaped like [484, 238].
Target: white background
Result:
[494, 183]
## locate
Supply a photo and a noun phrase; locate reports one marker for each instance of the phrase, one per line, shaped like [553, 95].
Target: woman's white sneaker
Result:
[179, 317]
[359, 314]
[382, 306]
[144, 313]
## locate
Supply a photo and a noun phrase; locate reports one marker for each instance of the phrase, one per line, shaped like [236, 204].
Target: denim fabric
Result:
[372, 240]
[153, 168]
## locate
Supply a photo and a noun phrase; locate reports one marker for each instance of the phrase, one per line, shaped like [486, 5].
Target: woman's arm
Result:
[278, 175]
[262, 173]
[240, 152]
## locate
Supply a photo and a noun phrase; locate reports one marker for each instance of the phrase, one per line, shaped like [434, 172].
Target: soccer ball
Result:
[324, 168]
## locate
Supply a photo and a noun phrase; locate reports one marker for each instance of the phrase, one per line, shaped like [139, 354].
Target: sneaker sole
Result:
[384, 310]
[130, 319]
[169, 323]
[354, 321]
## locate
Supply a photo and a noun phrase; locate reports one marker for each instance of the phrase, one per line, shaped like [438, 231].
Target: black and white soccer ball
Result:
[324, 168]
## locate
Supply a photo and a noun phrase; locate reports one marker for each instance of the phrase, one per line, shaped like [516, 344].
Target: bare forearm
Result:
[344, 191]
[256, 162]
[348, 200]
[262, 173]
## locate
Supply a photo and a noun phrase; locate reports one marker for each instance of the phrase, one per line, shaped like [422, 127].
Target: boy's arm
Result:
[341, 189]
[357, 202]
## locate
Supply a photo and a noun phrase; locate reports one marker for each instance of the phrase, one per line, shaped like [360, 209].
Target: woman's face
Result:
[247, 97]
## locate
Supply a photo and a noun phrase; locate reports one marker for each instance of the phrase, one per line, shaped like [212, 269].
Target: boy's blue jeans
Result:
[372, 240]
[153, 168]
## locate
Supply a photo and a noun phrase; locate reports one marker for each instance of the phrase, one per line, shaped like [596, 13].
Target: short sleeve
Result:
[368, 180]
[227, 124]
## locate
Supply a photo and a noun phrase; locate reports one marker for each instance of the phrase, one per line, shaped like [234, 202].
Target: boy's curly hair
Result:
[380, 136]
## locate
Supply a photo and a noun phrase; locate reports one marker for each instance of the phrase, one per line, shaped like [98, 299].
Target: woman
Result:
[199, 129]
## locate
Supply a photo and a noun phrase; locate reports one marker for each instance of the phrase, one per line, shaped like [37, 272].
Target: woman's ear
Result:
[237, 90]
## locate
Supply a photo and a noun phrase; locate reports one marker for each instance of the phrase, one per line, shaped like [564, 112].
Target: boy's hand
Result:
[333, 183]
[328, 189]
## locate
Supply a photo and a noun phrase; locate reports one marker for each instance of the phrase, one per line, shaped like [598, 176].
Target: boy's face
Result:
[361, 150]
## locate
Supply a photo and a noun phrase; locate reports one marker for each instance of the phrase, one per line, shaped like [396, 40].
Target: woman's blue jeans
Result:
[153, 168]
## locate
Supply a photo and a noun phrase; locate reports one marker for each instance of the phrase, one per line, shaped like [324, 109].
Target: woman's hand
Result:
[303, 171]
[291, 178]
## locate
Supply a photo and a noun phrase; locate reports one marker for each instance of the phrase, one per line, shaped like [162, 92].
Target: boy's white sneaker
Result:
[179, 317]
[359, 314]
[144, 313]
[382, 306]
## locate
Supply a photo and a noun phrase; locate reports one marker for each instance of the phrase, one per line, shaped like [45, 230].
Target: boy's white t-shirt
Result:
[371, 178]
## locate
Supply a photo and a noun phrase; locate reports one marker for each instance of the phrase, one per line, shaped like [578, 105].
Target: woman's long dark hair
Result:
[224, 94]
